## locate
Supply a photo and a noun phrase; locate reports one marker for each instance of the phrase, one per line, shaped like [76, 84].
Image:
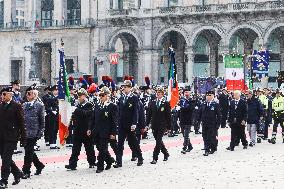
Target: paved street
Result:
[258, 167]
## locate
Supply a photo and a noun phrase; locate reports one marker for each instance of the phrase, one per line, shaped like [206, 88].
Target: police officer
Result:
[128, 120]
[45, 99]
[53, 112]
[82, 122]
[224, 107]
[210, 117]
[187, 106]
[11, 130]
[278, 115]
[159, 115]
[34, 123]
[104, 125]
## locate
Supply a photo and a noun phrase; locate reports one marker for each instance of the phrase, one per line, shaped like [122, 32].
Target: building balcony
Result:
[52, 24]
[199, 9]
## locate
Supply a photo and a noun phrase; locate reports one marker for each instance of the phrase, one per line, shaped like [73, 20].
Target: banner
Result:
[234, 72]
[114, 58]
[260, 63]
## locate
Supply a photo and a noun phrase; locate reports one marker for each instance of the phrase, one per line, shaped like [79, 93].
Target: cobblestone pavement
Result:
[261, 166]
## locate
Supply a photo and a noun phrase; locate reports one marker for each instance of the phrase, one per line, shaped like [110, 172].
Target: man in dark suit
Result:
[104, 127]
[11, 130]
[128, 120]
[159, 115]
[224, 107]
[82, 120]
[237, 120]
[210, 117]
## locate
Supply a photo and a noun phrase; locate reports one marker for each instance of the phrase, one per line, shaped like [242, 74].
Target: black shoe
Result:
[198, 132]
[183, 151]
[251, 144]
[229, 148]
[283, 140]
[212, 151]
[3, 184]
[92, 166]
[134, 159]
[245, 147]
[206, 153]
[153, 162]
[140, 162]
[117, 165]
[54, 148]
[189, 149]
[166, 157]
[108, 166]
[39, 170]
[24, 176]
[69, 167]
[99, 171]
[258, 140]
[273, 141]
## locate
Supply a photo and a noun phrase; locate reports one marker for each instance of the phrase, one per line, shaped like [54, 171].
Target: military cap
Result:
[160, 89]
[32, 87]
[210, 93]
[127, 83]
[48, 88]
[6, 89]
[105, 90]
[82, 91]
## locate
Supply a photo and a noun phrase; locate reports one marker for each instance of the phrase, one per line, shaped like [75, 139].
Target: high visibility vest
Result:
[264, 101]
[278, 104]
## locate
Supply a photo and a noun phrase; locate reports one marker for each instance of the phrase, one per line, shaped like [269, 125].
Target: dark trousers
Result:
[186, 142]
[138, 137]
[8, 165]
[76, 149]
[209, 137]
[53, 129]
[131, 136]
[196, 125]
[160, 146]
[275, 125]
[238, 133]
[30, 156]
[47, 128]
[113, 145]
[104, 155]
[224, 115]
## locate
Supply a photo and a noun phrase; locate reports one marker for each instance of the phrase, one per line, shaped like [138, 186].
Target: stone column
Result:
[213, 59]
[189, 61]
[59, 12]
[155, 56]
[85, 11]
[103, 69]
[281, 40]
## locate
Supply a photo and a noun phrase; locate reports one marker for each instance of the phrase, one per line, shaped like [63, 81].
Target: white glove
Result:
[133, 127]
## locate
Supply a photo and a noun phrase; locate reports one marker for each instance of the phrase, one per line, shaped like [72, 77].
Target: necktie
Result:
[236, 104]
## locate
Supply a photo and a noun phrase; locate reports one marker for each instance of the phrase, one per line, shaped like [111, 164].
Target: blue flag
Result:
[260, 64]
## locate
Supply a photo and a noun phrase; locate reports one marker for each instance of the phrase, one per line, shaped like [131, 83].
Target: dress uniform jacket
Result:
[11, 122]
[239, 114]
[105, 120]
[186, 110]
[159, 116]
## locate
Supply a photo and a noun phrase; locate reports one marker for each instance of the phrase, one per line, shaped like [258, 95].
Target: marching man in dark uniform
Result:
[187, 105]
[11, 130]
[45, 100]
[82, 121]
[128, 120]
[238, 112]
[105, 126]
[53, 111]
[210, 117]
[159, 115]
[224, 107]
[34, 124]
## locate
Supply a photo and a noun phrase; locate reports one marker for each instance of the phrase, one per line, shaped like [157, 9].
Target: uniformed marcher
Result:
[278, 115]
[224, 107]
[16, 86]
[53, 112]
[187, 105]
[45, 99]
[210, 118]
[34, 124]
[11, 131]
[105, 122]
[159, 115]
[128, 120]
[82, 123]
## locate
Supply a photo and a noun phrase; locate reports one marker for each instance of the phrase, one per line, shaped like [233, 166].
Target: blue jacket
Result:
[255, 111]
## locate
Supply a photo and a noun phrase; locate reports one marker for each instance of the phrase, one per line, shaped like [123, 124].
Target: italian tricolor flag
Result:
[65, 108]
[234, 72]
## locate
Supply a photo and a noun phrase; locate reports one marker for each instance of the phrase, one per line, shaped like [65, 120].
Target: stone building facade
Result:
[141, 31]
